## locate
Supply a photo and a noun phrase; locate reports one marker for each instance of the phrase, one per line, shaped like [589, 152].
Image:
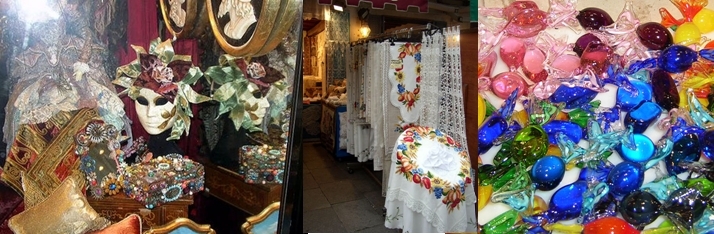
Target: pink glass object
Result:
[544, 89]
[566, 63]
[512, 52]
[533, 60]
[505, 83]
[563, 12]
[536, 77]
[596, 57]
[517, 7]
[487, 63]
[524, 19]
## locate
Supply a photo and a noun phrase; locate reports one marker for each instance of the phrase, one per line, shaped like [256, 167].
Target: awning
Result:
[402, 5]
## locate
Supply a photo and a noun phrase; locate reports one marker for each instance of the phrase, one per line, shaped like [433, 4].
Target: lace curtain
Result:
[451, 98]
[338, 38]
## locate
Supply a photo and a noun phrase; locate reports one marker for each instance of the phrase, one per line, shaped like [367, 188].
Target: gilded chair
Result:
[264, 223]
[181, 226]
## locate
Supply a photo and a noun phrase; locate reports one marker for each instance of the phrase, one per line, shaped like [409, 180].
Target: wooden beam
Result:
[317, 29]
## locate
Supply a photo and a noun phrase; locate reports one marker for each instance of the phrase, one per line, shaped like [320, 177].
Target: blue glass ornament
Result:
[644, 149]
[547, 172]
[707, 54]
[495, 126]
[664, 90]
[573, 97]
[638, 66]
[681, 129]
[592, 197]
[685, 206]
[570, 129]
[677, 58]
[706, 223]
[640, 208]
[625, 178]
[686, 150]
[642, 116]
[628, 99]
[707, 144]
[599, 143]
[567, 202]
[598, 172]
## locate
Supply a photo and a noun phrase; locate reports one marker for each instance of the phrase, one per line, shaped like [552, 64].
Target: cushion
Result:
[35, 191]
[129, 225]
[46, 150]
[66, 210]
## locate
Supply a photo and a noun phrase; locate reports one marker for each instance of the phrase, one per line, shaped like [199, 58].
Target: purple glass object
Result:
[654, 36]
[584, 41]
[594, 18]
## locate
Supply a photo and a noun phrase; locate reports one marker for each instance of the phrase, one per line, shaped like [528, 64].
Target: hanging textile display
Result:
[338, 37]
[405, 78]
[432, 47]
[451, 101]
[378, 68]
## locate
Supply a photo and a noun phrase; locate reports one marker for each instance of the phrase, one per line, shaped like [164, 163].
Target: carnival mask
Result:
[155, 112]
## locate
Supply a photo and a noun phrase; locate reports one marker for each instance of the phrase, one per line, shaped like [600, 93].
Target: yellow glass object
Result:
[661, 230]
[703, 20]
[539, 205]
[704, 101]
[687, 34]
[521, 117]
[484, 195]
[562, 116]
[562, 228]
[481, 110]
[554, 150]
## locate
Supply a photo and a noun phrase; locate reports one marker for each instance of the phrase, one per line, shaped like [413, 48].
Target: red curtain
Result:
[142, 28]
[402, 5]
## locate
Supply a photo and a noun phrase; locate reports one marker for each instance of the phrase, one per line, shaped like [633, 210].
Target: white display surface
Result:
[646, 11]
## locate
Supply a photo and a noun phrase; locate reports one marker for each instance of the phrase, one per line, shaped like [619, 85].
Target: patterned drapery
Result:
[338, 38]
[402, 5]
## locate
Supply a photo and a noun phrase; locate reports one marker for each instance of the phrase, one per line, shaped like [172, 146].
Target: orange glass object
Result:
[668, 20]
[689, 8]
[480, 69]
[562, 116]
[709, 45]
[609, 225]
[539, 205]
[521, 117]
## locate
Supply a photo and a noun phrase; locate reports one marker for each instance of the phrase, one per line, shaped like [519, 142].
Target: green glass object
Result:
[504, 223]
[581, 116]
[490, 109]
[702, 184]
[530, 144]
[503, 157]
[500, 180]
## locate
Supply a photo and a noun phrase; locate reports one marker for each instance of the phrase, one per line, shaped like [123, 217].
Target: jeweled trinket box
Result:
[163, 179]
[262, 164]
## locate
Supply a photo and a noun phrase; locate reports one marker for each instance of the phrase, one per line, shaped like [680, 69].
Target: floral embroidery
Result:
[451, 193]
[394, 217]
[408, 97]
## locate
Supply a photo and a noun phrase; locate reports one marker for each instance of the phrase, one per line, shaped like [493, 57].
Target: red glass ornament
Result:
[609, 225]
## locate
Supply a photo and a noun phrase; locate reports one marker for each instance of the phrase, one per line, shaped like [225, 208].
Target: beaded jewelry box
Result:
[163, 179]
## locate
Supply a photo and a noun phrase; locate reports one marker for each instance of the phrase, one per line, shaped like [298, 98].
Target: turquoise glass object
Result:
[677, 58]
[706, 223]
[573, 131]
[640, 208]
[547, 172]
[628, 99]
[642, 116]
[662, 188]
[685, 150]
[573, 97]
[606, 207]
[597, 173]
[625, 178]
[643, 151]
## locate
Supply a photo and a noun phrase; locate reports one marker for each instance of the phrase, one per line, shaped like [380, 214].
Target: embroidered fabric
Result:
[451, 103]
[409, 205]
[60, 72]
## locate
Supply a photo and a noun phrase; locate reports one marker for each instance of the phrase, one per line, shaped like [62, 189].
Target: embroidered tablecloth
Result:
[430, 188]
